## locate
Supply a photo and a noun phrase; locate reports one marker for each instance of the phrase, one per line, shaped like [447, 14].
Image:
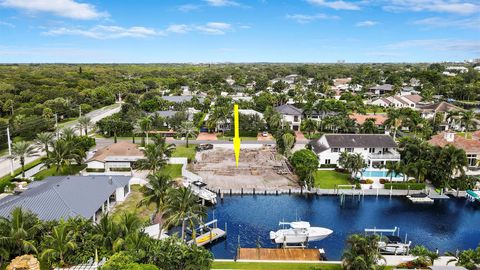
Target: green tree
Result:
[84, 122]
[288, 142]
[188, 129]
[362, 253]
[145, 125]
[22, 150]
[62, 154]
[58, 243]
[467, 118]
[45, 139]
[183, 208]
[157, 194]
[305, 163]
[155, 155]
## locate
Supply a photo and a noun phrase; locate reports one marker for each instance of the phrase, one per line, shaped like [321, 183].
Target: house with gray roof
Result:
[180, 99]
[291, 115]
[376, 149]
[63, 197]
[380, 89]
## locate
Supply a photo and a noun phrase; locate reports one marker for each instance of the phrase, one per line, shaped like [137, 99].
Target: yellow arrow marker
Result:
[236, 139]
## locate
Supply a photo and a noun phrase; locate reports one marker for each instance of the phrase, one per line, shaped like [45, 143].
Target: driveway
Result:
[300, 137]
[261, 138]
[205, 136]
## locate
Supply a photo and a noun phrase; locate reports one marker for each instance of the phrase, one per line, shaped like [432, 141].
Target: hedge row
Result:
[411, 186]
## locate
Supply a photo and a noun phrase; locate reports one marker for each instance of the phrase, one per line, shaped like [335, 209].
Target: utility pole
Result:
[80, 109]
[10, 150]
[56, 125]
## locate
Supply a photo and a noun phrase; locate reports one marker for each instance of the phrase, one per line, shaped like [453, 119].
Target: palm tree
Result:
[467, 118]
[84, 122]
[145, 125]
[68, 134]
[44, 139]
[106, 233]
[22, 150]
[454, 161]
[183, 208]
[155, 155]
[18, 233]
[157, 194]
[63, 152]
[60, 242]
[188, 129]
[288, 142]
[391, 169]
[357, 163]
[422, 251]
[362, 253]
[394, 121]
[369, 126]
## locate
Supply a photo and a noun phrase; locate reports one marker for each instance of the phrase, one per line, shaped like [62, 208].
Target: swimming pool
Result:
[448, 224]
[378, 174]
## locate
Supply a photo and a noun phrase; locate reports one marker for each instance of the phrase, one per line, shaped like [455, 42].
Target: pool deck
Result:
[279, 254]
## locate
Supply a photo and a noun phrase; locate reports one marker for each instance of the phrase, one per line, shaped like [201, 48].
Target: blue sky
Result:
[154, 31]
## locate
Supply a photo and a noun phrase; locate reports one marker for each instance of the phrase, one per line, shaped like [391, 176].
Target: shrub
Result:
[369, 181]
[120, 169]
[95, 170]
[383, 181]
[403, 185]
[328, 166]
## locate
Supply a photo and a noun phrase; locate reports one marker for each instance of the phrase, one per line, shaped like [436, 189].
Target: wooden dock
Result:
[207, 233]
[279, 254]
[209, 237]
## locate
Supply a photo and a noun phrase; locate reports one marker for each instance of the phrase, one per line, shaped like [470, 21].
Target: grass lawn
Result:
[130, 206]
[52, 171]
[328, 179]
[174, 170]
[228, 138]
[274, 266]
[462, 134]
[183, 151]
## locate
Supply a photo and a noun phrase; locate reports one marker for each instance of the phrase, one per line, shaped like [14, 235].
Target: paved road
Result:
[95, 116]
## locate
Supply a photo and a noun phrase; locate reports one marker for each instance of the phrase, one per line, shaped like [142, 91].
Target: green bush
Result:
[95, 170]
[405, 185]
[328, 166]
[124, 261]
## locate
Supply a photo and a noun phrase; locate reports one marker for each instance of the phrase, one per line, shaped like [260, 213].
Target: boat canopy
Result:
[300, 225]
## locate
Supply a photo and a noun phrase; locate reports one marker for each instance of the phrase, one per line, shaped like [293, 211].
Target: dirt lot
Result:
[258, 168]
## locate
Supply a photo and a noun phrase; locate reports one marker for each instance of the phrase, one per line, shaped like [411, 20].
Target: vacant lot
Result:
[260, 168]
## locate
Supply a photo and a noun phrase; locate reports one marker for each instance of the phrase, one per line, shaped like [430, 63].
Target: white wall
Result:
[94, 164]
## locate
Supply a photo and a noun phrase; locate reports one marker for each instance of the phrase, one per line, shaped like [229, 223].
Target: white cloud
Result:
[472, 23]
[214, 28]
[366, 23]
[462, 7]
[178, 28]
[304, 18]
[106, 32]
[188, 7]
[62, 8]
[222, 3]
[7, 24]
[338, 5]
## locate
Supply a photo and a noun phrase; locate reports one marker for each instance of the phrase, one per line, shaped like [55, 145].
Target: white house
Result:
[291, 115]
[398, 101]
[117, 158]
[376, 149]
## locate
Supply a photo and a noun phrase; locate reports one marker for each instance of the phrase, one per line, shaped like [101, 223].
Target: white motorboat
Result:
[298, 232]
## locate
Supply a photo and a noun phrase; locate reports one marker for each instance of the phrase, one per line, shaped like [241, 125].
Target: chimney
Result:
[449, 136]
[110, 181]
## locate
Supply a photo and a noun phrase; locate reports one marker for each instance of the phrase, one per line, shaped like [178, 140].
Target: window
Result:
[385, 150]
[472, 160]
[335, 150]
[350, 150]
[371, 150]
[327, 161]
[295, 118]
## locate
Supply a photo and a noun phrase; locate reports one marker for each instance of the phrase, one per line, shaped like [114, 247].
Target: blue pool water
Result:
[448, 224]
[379, 174]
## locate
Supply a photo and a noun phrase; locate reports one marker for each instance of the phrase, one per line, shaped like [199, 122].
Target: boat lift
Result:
[207, 233]
[395, 232]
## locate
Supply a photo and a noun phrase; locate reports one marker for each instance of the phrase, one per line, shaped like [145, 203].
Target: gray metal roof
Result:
[359, 140]
[64, 196]
[165, 113]
[288, 109]
[384, 87]
[180, 99]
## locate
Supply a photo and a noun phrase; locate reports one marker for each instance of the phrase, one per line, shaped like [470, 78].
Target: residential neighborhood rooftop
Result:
[119, 149]
[360, 140]
[288, 109]
[60, 197]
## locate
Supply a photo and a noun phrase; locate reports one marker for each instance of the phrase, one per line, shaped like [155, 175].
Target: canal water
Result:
[448, 224]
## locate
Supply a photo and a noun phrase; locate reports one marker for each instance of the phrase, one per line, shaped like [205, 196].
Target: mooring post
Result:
[265, 192]
[289, 191]
[253, 191]
[301, 190]
[276, 192]
[241, 192]
[230, 192]
[221, 196]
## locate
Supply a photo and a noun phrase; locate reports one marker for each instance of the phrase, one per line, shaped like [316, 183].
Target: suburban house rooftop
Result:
[440, 107]
[121, 149]
[358, 141]
[450, 138]
[61, 197]
[288, 109]
[361, 118]
[180, 99]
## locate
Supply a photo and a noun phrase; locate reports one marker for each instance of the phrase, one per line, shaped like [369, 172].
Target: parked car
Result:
[205, 146]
